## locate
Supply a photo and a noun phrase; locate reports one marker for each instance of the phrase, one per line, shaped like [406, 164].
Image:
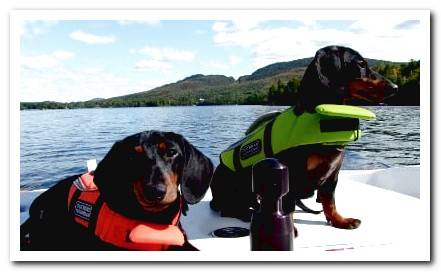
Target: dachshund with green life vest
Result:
[309, 137]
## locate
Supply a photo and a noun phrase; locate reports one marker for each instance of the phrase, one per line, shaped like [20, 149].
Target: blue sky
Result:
[78, 60]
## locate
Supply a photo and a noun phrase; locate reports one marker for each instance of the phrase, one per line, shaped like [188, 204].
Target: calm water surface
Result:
[56, 143]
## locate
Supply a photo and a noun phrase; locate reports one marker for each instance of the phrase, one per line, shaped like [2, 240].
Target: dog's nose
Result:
[155, 192]
[394, 86]
[391, 89]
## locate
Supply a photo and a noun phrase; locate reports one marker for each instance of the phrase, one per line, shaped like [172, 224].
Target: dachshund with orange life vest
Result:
[132, 201]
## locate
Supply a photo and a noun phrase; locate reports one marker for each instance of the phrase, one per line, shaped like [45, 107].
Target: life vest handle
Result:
[157, 234]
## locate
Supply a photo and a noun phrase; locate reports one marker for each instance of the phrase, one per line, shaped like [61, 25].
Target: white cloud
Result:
[236, 25]
[30, 28]
[143, 22]
[220, 26]
[63, 55]
[235, 60]
[268, 45]
[39, 62]
[152, 65]
[310, 23]
[381, 27]
[246, 24]
[215, 66]
[92, 70]
[166, 53]
[161, 58]
[89, 38]
[46, 61]
[218, 65]
[381, 39]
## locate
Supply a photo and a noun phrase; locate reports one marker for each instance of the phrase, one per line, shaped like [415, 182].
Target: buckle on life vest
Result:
[85, 182]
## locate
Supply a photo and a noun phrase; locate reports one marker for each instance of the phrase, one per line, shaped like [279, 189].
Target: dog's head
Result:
[142, 173]
[340, 75]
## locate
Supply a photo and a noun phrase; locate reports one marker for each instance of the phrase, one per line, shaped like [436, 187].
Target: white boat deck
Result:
[392, 227]
[395, 223]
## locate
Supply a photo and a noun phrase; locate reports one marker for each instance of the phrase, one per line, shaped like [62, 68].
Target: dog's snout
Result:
[391, 89]
[393, 86]
[155, 192]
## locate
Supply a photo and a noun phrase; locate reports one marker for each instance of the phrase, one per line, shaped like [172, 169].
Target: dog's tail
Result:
[305, 208]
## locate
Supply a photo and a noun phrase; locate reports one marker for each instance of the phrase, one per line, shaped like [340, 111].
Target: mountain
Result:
[217, 89]
[96, 99]
[211, 89]
[278, 68]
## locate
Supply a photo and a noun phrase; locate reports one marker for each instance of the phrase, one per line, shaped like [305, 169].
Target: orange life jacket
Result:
[90, 211]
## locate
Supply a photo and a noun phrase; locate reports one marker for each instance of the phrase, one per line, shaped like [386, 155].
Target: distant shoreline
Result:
[166, 106]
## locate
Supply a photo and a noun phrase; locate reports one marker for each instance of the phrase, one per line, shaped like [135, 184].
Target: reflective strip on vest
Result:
[88, 210]
[287, 130]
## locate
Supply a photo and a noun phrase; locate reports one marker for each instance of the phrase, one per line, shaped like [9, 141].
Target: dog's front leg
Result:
[326, 197]
[324, 168]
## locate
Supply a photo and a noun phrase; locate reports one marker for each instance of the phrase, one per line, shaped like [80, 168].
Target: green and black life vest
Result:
[329, 125]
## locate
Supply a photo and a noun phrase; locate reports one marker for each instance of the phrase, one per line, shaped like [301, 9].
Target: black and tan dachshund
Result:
[337, 75]
[139, 178]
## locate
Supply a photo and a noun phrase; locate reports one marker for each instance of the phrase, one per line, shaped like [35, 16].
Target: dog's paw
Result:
[347, 223]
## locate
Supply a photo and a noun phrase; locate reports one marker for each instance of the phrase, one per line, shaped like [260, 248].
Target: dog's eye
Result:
[139, 149]
[362, 63]
[171, 152]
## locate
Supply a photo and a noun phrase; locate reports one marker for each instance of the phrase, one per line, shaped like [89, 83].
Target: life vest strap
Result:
[332, 125]
[267, 139]
[236, 158]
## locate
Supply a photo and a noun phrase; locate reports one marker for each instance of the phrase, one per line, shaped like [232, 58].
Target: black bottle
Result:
[271, 229]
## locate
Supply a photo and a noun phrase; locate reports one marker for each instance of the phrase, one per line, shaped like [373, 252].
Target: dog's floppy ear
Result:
[196, 174]
[320, 61]
[328, 64]
[117, 163]
[321, 77]
[312, 86]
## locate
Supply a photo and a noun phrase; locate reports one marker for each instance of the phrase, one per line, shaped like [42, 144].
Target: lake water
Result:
[56, 143]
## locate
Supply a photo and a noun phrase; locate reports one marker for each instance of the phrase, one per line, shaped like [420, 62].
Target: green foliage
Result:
[284, 94]
[407, 77]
